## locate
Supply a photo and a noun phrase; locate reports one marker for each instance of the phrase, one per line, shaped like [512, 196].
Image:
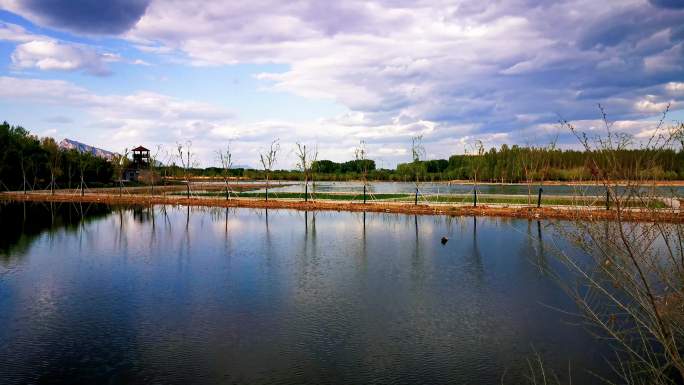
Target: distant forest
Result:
[27, 161]
[507, 164]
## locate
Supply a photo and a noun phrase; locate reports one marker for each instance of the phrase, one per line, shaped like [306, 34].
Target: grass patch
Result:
[296, 195]
[455, 199]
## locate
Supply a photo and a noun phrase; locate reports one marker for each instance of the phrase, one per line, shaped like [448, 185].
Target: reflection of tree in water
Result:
[308, 257]
[143, 214]
[364, 245]
[535, 242]
[417, 268]
[476, 255]
[21, 223]
[541, 256]
[310, 234]
[185, 247]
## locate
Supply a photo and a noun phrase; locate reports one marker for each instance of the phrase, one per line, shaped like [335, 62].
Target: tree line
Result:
[506, 164]
[515, 164]
[27, 162]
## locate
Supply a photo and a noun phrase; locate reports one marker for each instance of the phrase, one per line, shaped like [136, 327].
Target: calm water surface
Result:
[201, 296]
[460, 188]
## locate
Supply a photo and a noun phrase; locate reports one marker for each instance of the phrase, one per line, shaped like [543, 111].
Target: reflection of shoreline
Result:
[529, 212]
[23, 223]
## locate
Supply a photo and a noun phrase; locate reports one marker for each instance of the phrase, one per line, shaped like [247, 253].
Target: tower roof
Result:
[140, 148]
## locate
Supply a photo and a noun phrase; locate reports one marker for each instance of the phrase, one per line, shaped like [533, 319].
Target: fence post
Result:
[474, 198]
[607, 199]
[539, 198]
[364, 194]
[306, 192]
[416, 201]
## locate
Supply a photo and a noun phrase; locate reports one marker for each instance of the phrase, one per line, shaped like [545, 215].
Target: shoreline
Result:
[525, 212]
[237, 181]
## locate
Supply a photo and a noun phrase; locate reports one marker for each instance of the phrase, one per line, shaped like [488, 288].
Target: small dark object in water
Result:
[445, 240]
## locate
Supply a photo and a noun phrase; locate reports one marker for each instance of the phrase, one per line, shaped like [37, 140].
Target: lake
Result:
[461, 188]
[177, 295]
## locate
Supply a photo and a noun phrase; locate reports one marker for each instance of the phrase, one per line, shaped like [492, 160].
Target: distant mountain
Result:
[69, 144]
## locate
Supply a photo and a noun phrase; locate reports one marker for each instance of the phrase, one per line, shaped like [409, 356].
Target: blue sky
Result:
[126, 72]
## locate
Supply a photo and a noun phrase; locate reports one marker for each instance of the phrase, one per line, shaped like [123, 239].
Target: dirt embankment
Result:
[568, 213]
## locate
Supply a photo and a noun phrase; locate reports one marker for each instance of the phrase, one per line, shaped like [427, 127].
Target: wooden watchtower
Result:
[141, 158]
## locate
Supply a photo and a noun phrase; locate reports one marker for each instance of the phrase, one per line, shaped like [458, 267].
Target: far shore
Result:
[511, 211]
[662, 183]
[665, 183]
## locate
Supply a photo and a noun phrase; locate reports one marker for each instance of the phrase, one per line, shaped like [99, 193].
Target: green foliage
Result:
[519, 164]
[352, 166]
[507, 164]
[24, 155]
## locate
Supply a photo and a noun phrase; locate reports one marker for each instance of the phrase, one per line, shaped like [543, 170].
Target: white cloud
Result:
[117, 121]
[652, 106]
[47, 54]
[16, 33]
[453, 71]
[113, 121]
[53, 55]
[445, 62]
[675, 86]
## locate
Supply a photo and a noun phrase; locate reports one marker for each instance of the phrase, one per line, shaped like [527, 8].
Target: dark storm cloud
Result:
[629, 26]
[673, 4]
[88, 16]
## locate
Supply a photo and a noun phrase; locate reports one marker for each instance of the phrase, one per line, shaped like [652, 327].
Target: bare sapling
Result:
[82, 164]
[23, 165]
[120, 163]
[312, 171]
[154, 166]
[417, 152]
[530, 161]
[54, 160]
[305, 159]
[169, 165]
[631, 289]
[478, 151]
[225, 158]
[546, 155]
[187, 162]
[268, 159]
[361, 157]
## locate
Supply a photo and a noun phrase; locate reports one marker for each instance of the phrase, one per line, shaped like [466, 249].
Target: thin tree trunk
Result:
[23, 174]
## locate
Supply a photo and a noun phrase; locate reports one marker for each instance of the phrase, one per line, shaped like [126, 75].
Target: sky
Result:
[121, 73]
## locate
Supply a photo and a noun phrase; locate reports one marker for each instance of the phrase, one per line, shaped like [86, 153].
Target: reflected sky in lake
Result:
[196, 295]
